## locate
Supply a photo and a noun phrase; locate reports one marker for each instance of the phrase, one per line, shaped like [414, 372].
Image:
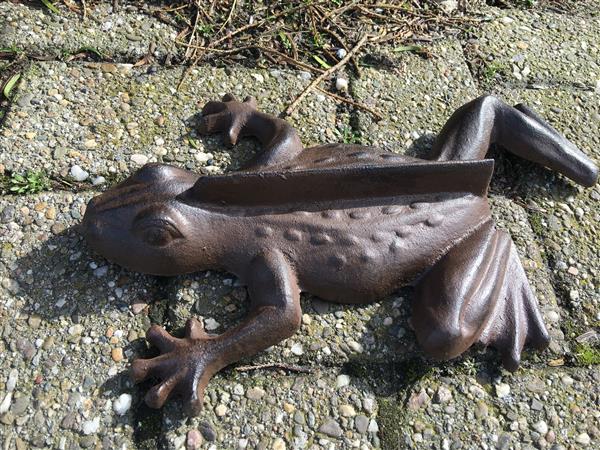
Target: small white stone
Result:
[279, 444]
[76, 329]
[583, 439]
[507, 20]
[502, 390]
[574, 295]
[159, 141]
[122, 404]
[97, 181]
[13, 377]
[369, 404]
[341, 53]
[297, 349]
[442, 395]
[78, 174]
[341, 84]
[388, 321]
[342, 380]
[541, 427]
[373, 427]
[91, 426]
[258, 77]
[101, 271]
[90, 143]
[221, 410]
[242, 444]
[211, 324]
[449, 5]
[567, 380]
[139, 159]
[355, 346]
[5, 405]
[347, 411]
[203, 157]
[553, 316]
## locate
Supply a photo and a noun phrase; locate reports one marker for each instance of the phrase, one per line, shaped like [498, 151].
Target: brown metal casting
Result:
[347, 223]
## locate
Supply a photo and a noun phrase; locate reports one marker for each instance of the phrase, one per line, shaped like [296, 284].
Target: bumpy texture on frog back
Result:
[344, 222]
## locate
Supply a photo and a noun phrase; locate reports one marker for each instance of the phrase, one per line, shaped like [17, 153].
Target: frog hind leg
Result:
[487, 120]
[478, 292]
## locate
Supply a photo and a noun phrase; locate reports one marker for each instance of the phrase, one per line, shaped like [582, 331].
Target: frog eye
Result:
[158, 233]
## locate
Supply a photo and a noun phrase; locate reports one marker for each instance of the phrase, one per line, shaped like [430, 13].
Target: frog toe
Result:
[160, 393]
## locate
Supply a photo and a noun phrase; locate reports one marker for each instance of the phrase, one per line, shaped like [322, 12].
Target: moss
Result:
[587, 355]
[391, 417]
[535, 220]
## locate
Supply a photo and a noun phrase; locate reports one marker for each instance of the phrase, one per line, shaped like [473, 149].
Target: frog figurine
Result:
[347, 223]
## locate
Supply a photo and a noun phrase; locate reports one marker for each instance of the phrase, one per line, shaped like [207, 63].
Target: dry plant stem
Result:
[343, 44]
[259, 23]
[192, 53]
[229, 16]
[324, 75]
[84, 10]
[289, 59]
[232, 51]
[290, 367]
[371, 111]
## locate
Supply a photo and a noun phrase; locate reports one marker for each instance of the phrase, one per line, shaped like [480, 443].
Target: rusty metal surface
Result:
[347, 223]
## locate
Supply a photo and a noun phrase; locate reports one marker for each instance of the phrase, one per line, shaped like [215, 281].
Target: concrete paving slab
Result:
[478, 408]
[259, 409]
[531, 47]
[66, 326]
[514, 219]
[124, 35]
[110, 118]
[415, 98]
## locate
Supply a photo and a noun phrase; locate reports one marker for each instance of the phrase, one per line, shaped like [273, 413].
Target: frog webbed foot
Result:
[184, 367]
[478, 292]
[228, 115]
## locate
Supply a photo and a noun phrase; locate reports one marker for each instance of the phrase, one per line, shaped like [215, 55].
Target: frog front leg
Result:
[186, 365]
[279, 139]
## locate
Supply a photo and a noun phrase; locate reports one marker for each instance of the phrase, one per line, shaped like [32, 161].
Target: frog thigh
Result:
[478, 292]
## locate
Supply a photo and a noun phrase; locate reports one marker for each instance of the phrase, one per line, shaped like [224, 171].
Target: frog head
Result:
[140, 224]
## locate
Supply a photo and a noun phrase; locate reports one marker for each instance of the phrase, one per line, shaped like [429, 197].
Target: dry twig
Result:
[290, 367]
[371, 111]
[324, 75]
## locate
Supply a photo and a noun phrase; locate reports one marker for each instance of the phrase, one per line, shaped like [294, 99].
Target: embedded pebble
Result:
[331, 428]
[442, 395]
[342, 380]
[91, 426]
[78, 174]
[255, 393]
[193, 440]
[98, 181]
[583, 439]
[502, 390]
[122, 404]
[139, 159]
[341, 84]
[211, 324]
[297, 349]
[541, 427]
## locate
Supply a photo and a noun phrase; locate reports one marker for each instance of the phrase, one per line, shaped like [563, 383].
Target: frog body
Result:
[347, 223]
